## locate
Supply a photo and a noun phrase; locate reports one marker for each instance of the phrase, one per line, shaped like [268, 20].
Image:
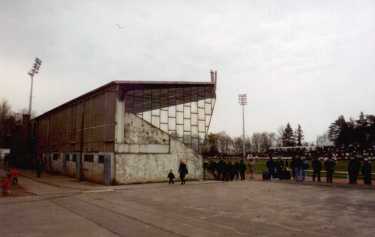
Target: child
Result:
[14, 176]
[5, 185]
[171, 177]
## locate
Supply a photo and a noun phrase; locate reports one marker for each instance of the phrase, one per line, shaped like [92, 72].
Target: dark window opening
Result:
[89, 158]
[55, 156]
[67, 157]
[101, 159]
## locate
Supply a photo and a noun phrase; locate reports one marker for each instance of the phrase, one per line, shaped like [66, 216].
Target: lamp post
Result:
[242, 99]
[34, 70]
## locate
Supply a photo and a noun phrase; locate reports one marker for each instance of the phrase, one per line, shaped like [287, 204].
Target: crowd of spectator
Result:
[295, 162]
[296, 168]
[335, 152]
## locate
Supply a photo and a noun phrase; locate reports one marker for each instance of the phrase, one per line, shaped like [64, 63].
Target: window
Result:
[67, 157]
[55, 156]
[101, 159]
[74, 158]
[89, 158]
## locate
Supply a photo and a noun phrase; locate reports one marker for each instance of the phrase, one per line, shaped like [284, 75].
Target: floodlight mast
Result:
[34, 70]
[242, 99]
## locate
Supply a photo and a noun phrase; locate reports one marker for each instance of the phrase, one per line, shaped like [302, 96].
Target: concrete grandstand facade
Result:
[128, 131]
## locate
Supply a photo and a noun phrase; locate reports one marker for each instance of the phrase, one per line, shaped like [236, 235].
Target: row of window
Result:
[73, 157]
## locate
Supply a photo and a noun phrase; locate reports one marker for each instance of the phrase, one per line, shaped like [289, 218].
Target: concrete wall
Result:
[148, 154]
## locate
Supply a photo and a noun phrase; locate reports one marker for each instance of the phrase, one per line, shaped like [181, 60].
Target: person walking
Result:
[317, 168]
[171, 177]
[183, 171]
[366, 172]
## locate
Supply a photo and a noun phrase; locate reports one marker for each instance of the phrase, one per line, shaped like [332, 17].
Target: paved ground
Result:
[249, 208]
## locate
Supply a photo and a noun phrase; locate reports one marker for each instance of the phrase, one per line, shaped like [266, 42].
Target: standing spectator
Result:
[298, 167]
[317, 168]
[183, 171]
[305, 166]
[271, 167]
[227, 171]
[286, 165]
[329, 166]
[293, 167]
[354, 166]
[278, 168]
[366, 172]
[221, 170]
[242, 169]
[236, 170]
[252, 170]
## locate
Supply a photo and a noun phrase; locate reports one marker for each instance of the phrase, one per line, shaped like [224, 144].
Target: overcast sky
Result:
[299, 61]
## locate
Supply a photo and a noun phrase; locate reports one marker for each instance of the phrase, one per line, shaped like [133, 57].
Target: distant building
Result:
[324, 140]
[128, 131]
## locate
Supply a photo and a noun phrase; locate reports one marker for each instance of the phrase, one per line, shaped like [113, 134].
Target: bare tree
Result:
[225, 143]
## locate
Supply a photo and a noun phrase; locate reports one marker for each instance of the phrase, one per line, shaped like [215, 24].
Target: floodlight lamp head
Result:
[242, 99]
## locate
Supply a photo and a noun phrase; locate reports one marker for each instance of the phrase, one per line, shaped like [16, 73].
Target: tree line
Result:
[360, 132]
[259, 142]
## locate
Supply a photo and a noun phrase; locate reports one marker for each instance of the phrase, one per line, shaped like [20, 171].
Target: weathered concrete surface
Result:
[149, 153]
[216, 209]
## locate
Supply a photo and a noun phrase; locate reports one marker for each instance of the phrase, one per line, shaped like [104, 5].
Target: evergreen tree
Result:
[288, 138]
[299, 135]
[342, 132]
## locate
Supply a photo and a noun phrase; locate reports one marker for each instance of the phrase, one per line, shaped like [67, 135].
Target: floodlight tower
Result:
[242, 99]
[34, 70]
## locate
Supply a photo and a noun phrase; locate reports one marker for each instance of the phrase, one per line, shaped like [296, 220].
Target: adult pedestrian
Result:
[329, 166]
[366, 172]
[305, 166]
[231, 170]
[236, 170]
[252, 164]
[278, 168]
[242, 169]
[354, 166]
[293, 167]
[271, 167]
[298, 167]
[39, 167]
[221, 170]
[317, 168]
[183, 171]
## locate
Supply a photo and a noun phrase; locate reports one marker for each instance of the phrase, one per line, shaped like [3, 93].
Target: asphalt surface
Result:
[249, 208]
